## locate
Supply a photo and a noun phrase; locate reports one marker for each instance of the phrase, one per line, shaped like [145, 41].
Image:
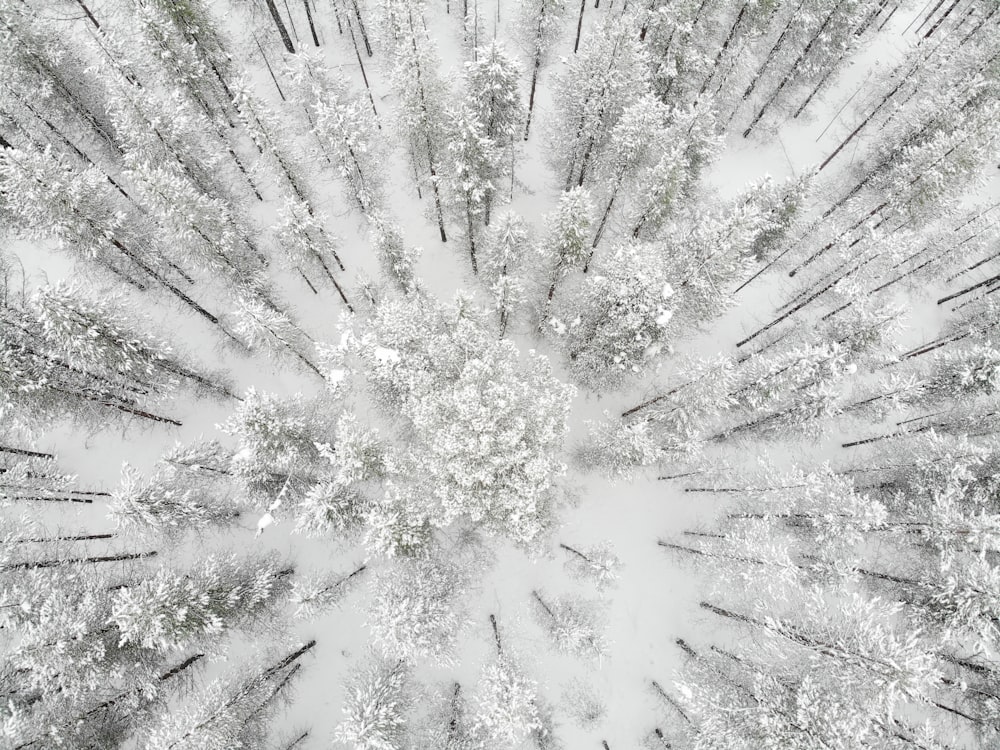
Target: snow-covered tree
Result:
[621, 319]
[492, 83]
[65, 356]
[537, 26]
[416, 610]
[690, 143]
[421, 93]
[476, 167]
[170, 501]
[260, 323]
[48, 199]
[597, 563]
[278, 439]
[609, 74]
[572, 624]
[173, 610]
[486, 428]
[234, 712]
[343, 127]
[378, 699]
[396, 257]
[566, 243]
[507, 243]
[508, 710]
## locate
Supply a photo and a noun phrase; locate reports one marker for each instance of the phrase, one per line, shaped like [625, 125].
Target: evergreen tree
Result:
[375, 708]
[229, 713]
[506, 246]
[491, 458]
[174, 610]
[416, 610]
[566, 238]
[609, 74]
[477, 168]
[537, 28]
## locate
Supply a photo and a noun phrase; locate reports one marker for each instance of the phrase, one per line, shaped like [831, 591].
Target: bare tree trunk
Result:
[79, 561]
[361, 27]
[271, 71]
[89, 14]
[312, 26]
[579, 26]
[24, 452]
[364, 75]
[282, 31]
[496, 635]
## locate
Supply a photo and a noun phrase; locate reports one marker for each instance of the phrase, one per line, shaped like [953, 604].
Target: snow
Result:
[655, 598]
[386, 356]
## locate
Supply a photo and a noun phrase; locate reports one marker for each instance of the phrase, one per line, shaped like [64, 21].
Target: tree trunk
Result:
[270, 71]
[579, 26]
[24, 452]
[928, 17]
[361, 27]
[670, 701]
[79, 561]
[531, 94]
[73, 538]
[723, 48]
[470, 228]
[496, 635]
[312, 26]
[974, 287]
[575, 552]
[791, 72]
[282, 31]
[364, 75]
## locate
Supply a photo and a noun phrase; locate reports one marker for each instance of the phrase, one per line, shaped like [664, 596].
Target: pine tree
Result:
[507, 704]
[567, 239]
[416, 610]
[64, 356]
[421, 94]
[477, 167]
[174, 610]
[492, 91]
[376, 706]
[621, 318]
[571, 624]
[170, 501]
[610, 73]
[491, 459]
[538, 26]
[505, 248]
[228, 713]
[343, 128]
[278, 444]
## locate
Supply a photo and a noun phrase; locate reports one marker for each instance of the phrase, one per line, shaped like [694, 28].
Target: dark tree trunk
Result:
[79, 561]
[282, 31]
[312, 26]
[579, 26]
[496, 635]
[24, 452]
[271, 71]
